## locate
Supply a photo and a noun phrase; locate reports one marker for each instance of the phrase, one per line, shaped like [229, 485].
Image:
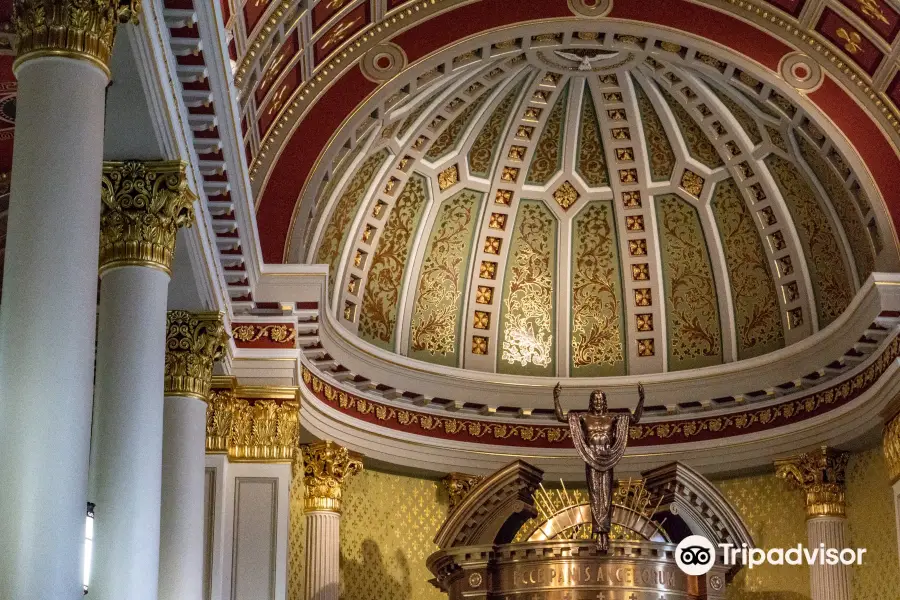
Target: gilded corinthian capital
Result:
[325, 468]
[194, 341]
[821, 475]
[83, 29]
[144, 205]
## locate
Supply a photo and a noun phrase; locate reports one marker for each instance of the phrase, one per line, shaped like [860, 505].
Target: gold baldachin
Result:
[70, 28]
[194, 341]
[821, 475]
[326, 466]
[144, 205]
[253, 424]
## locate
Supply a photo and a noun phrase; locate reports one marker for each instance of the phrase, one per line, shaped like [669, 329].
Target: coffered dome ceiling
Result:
[590, 204]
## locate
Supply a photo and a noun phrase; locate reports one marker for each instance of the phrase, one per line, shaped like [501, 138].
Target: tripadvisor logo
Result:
[696, 555]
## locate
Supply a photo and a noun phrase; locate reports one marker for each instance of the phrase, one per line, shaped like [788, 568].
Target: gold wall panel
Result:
[547, 158]
[692, 308]
[827, 271]
[697, 143]
[387, 528]
[378, 316]
[296, 559]
[870, 514]
[747, 122]
[757, 316]
[345, 209]
[661, 156]
[775, 514]
[597, 312]
[435, 322]
[847, 213]
[484, 149]
[527, 316]
[591, 163]
[450, 136]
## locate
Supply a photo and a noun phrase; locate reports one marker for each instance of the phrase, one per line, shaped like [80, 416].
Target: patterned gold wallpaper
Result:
[389, 522]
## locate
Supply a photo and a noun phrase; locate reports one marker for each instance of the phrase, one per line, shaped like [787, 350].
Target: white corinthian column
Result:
[194, 341]
[144, 205]
[325, 468]
[821, 476]
[47, 321]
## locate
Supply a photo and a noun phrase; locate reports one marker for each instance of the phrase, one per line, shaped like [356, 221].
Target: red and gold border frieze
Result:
[675, 431]
[264, 335]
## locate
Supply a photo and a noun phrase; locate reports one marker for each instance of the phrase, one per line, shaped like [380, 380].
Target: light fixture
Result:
[88, 544]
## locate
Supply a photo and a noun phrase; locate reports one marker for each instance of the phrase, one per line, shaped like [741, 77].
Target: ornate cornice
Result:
[144, 205]
[194, 341]
[326, 466]
[821, 475]
[458, 486]
[70, 28]
[253, 429]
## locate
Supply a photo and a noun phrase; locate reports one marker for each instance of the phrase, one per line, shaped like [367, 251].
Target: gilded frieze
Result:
[698, 145]
[484, 148]
[844, 207]
[827, 271]
[597, 315]
[547, 158]
[747, 122]
[345, 209]
[378, 317]
[662, 159]
[757, 317]
[434, 327]
[591, 163]
[692, 310]
[450, 136]
[526, 321]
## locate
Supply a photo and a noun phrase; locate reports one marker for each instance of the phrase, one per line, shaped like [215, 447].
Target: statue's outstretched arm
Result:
[639, 410]
[560, 415]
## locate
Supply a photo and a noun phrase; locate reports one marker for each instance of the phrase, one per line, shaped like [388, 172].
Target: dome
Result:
[598, 204]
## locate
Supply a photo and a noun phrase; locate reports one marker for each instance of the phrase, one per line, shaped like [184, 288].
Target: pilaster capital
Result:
[326, 466]
[458, 486]
[194, 341]
[70, 28]
[144, 205]
[890, 439]
[820, 474]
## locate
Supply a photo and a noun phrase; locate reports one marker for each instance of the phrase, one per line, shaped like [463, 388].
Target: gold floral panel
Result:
[378, 317]
[757, 324]
[697, 143]
[692, 308]
[436, 319]
[844, 207]
[483, 152]
[747, 122]
[450, 137]
[527, 314]
[829, 275]
[547, 158]
[598, 341]
[591, 163]
[662, 159]
[345, 209]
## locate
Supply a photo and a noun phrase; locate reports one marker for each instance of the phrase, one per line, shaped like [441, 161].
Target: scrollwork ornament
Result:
[194, 341]
[82, 29]
[144, 205]
[458, 486]
[326, 466]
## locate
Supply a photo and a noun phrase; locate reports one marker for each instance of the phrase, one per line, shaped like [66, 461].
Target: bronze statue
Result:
[600, 435]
